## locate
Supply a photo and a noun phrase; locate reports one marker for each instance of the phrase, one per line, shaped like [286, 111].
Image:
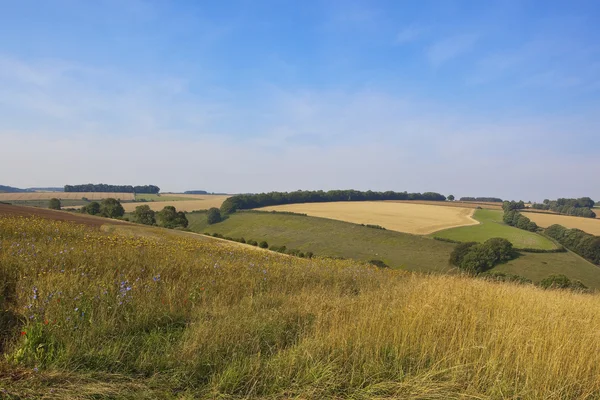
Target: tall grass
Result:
[97, 314]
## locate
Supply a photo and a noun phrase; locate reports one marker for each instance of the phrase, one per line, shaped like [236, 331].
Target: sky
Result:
[471, 98]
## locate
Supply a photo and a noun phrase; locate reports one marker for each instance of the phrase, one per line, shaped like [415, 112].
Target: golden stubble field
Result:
[420, 219]
[589, 225]
[65, 196]
[198, 202]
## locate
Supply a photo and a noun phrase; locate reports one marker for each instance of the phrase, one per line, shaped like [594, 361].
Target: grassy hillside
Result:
[492, 226]
[332, 238]
[159, 197]
[94, 315]
[415, 253]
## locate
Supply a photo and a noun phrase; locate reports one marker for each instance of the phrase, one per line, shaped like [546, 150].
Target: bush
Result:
[93, 208]
[504, 277]
[477, 258]
[54, 204]
[111, 208]
[309, 254]
[144, 215]
[562, 282]
[379, 263]
[252, 242]
[213, 216]
[263, 245]
[169, 217]
[459, 252]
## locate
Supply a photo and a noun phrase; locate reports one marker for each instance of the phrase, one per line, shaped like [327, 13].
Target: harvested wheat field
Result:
[461, 204]
[419, 219]
[65, 196]
[202, 202]
[589, 225]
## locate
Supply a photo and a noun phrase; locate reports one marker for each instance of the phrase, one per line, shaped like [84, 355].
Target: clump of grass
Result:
[170, 315]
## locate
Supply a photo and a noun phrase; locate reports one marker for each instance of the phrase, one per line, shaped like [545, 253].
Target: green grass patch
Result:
[44, 203]
[159, 197]
[537, 266]
[491, 226]
[326, 237]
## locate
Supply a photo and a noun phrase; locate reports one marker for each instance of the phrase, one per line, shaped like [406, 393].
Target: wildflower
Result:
[23, 333]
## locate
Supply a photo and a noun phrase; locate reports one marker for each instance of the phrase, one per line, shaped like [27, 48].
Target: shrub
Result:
[253, 242]
[379, 263]
[309, 254]
[54, 204]
[111, 208]
[144, 215]
[504, 277]
[477, 258]
[562, 282]
[169, 217]
[263, 245]
[93, 208]
[213, 216]
[459, 253]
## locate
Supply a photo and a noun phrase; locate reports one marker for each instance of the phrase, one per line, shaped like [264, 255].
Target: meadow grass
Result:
[105, 315]
[491, 226]
[332, 238]
[158, 197]
[44, 203]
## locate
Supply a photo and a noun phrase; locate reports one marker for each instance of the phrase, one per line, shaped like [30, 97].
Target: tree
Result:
[451, 197]
[459, 253]
[169, 217]
[93, 208]
[54, 204]
[111, 208]
[213, 216]
[144, 215]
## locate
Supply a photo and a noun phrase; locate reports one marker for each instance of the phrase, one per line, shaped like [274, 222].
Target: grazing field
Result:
[328, 237]
[492, 226]
[66, 196]
[589, 225]
[159, 197]
[200, 203]
[402, 217]
[106, 315]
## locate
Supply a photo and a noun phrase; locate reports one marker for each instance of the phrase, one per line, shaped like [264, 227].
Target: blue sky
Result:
[474, 98]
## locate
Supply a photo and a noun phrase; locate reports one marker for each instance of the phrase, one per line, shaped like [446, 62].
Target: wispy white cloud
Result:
[450, 48]
[410, 34]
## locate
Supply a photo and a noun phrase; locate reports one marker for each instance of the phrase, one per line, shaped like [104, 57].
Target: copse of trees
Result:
[582, 243]
[518, 220]
[482, 199]
[249, 201]
[93, 208]
[213, 216]
[170, 218]
[561, 281]
[111, 208]
[581, 207]
[513, 205]
[102, 187]
[54, 204]
[476, 258]
[144, 215]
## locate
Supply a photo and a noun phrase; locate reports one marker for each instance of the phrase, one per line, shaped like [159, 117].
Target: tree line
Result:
[518, 220]
[581, 207]
[249, 201]
[582, 243]
[482, 199]
[102, 187]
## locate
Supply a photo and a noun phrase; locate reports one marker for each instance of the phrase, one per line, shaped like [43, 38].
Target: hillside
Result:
[164, 315]
[333, 238]
[10, 189]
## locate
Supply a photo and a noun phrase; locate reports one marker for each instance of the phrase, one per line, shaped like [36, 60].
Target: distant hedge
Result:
[482, 199]
[249, 201]
[582, 243]
[581, 207]
[102, 187]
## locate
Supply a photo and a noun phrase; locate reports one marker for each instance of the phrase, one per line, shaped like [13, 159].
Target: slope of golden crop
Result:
[589, 225]
[201, 202]
[65, 196]
[420, 219]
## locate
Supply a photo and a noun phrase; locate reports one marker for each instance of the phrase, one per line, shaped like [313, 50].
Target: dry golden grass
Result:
[201, 202]
[109, 315]
[462, 204]
[589, 225]
[419, 219]
[65, 196]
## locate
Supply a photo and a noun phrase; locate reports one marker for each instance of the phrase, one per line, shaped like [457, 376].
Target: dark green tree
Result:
[111, 208]
[93, 208]
[451, 197]
[54, 204]
[169, 217]
[144, 215]
[213, 216]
